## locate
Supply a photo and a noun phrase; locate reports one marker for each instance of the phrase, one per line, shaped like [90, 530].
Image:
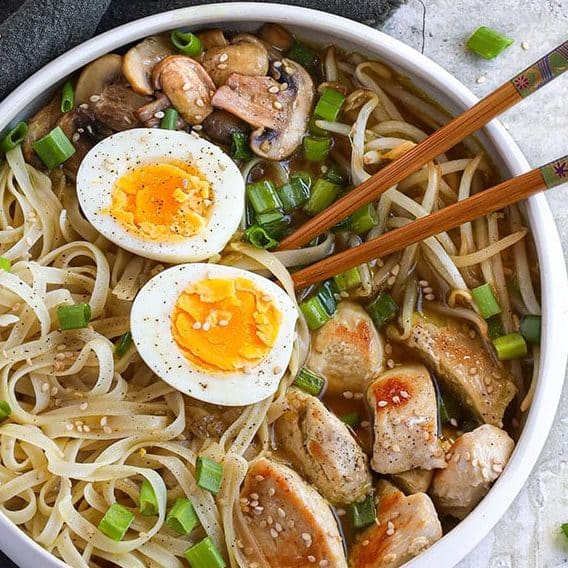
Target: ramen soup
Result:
[167, 398]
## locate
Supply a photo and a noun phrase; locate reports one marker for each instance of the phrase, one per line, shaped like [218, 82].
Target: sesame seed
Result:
[404, 394]
[254, 503]
[481, 79]
[278, 527]
[103, 421]
[306, 536]
[45, 387]
[365, 424]
[259, 478]
[53, 391]
[273, 533]
[324, 563]
[159, 114]
[423, 283]
[69, 427]
[200, 103]
[222, 66]
[107, 429]
[271, 491]
[453, 422]
[365, 543]
[311, 558]
[496, 468]
[86, 428]
[485, 472]
[84, 105]
[277, 64]
[277, 105]
[390, 364]
[84, 406]
[75, 137]
[206, 326]
[525, 45]
[283, 86]
[223, 57]
[428, 290]
[94, 98]
[281, 512]
[254, 495]
[396, 448]
[474, 462]
[186, 86]
[429, 297]
[348, 395]
[382, 403]
[277, 370]
[396, 399]
[274, 89]
[341, 512]
[225, 323]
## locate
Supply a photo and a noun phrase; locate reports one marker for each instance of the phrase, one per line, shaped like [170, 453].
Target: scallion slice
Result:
[336, 175]
[273, 222]
[67, 97]
[208, 474]
[326, 294]
[350, 278]
[363, 514]
[324, 193]
[263, 196]
[512, 346]
[5, 410]
[76, 316]
[316, 148]
[564, 528]
[485, 300]
[487, 42]
[382, 309]
[530, 328]
[204, 554]
[186, 43]
[239, 146]
[148, 503]
[293, 194]
[309, 382]
[329, 104]
[169, 122]
[116, 522]
[54, 148]
[303, 176]
[14, 137]
[182, 517]
[303, 55]
[364, 219]
[5, 264]
[351, 419]
[314, 312]
[123, 344]
[259, 238]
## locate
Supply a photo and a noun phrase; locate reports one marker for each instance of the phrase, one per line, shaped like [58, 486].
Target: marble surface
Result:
[528, 536]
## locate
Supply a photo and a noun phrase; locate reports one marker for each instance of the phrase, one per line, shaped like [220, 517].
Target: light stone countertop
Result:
[528, 536]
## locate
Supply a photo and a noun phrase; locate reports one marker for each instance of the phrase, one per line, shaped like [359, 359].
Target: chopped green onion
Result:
[314, 129]
[293, 194]
[123, 344]
[309, 382]
[182, 517]
[259, 238]
[382, 309]
[5, 410]
[342, 226]
[204, 554]
[316, 148]
[5, 264]
[170, 119]
[14, 137]
[273, 222]
[76, 316]
[363, 514]
[364, 219]
[494, 327]
[303, 176]
[314, 311]
[530, 328]
[326, 294]
[262, 196]
[564, 528]
[239, 146]
[186, 43]
[324, 193]
[485, 300]
[116, 522]
[148, 504]
[329, 104]
[351, 419]
[336, 175]
[303, 55]
[54, 148]
[512, 346]
[67, 97]
[487, 42]
[249, 213]
[350, 278]
[208, 474]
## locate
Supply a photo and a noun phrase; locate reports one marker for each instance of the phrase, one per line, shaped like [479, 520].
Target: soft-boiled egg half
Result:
[162, 194]
[216, 333]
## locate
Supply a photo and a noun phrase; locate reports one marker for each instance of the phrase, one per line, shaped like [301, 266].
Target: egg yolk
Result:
[162, 202]
[225, 325]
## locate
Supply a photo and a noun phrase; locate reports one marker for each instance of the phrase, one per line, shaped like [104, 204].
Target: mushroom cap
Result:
[102, 71]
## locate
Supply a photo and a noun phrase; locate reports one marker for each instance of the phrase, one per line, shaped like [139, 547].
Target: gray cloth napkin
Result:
[37, 31]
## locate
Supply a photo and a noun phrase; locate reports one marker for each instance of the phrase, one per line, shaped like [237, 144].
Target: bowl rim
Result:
[456, 544]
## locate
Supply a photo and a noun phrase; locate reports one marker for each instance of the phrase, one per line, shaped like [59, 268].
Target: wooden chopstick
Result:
[450, 217]
[530, 80]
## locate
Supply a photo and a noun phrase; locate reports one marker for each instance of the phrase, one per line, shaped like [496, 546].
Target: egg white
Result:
[116, 155]
[151, 327]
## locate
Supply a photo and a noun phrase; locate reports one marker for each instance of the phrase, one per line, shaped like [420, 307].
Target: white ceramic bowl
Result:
[446, 89]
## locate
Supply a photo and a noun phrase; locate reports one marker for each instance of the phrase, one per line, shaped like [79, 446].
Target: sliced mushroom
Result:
[220, 125]
[141, 59]
[38, 126]
[273, 53]
[212, 38]
[116, 107]
[187, 85]
[277, 36]
[102, 71]
[279, 110]
[243, 58]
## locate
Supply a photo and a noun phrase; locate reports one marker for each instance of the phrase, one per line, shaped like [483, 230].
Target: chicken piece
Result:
[463, 366]
[347, 351]
[413, 480]
[116, 107]
[408, 526]
[403, 401]
[475, 461]
[187, 85]
[322, 449]
[285, 522]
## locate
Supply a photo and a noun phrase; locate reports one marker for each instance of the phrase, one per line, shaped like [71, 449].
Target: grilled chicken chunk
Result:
[464, 367]
[286, 523]
[475, 461]
[408, 525]
[413, 480]
[403, 401]
[347, 351]
[321, 447]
